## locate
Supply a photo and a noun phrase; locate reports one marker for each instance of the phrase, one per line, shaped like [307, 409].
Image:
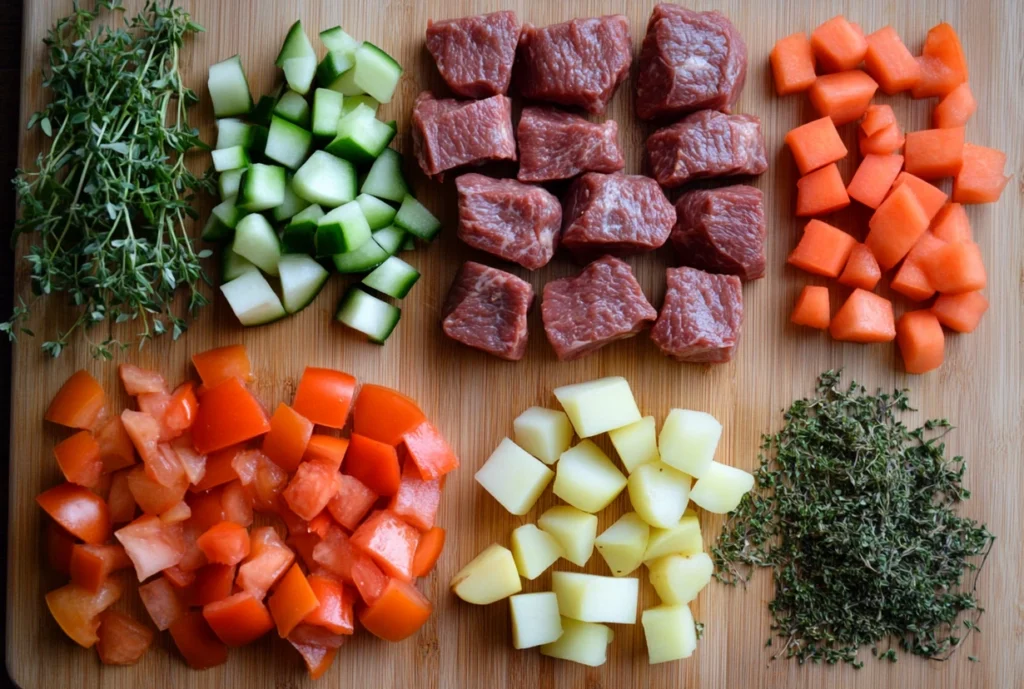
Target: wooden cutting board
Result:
[474, 397]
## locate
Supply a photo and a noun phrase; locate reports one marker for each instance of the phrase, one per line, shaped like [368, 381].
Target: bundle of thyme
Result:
[854, 514]
[108, 202]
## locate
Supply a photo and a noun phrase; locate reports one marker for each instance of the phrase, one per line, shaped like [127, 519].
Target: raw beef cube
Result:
[578, 63]
[707, 144]
[558, 145]
[449, 133]
[602, 304]
[486, 309]
[475, 54]
[615, 214]
[689, 61]
[701, 318]
[721, 231]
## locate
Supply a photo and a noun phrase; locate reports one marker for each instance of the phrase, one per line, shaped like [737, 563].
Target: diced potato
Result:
[636, 443]
[514, 477]
[721, 488]
[581, 642]
[535, 619]
[679, 579]
[574, 530]
[489, 577]
[544, 433]
[670, 632]
[659, 493]
[688, 441]
[598, 406]
[593, 598]
[623, 544]
[586, 479]
[682, 539]
[534, 550]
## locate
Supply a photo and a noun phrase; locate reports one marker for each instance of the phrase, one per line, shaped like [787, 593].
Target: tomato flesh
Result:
[288, 437]
[181, 409]
[219, 469]
[137, 380]
[384, 414]
[416, 500]
[324, 396]
[228, 414]
[335, 611]
[429, 451]
[239, 619]
[119, 499]
[374, 463]
[389, 541]
[353, 501]
[269, 559]
[77, 609]
[226, 543]
[318, 659]
[398, 612]
[310, 489]
[79, 458]
[335, 554]
[78, 403]
[291, 601]
[212, 583]
[152, 497]
[368, 578]
[327, 450]
[198, 644]
[217, 365]
[91, 564]
[162, 602]
[122, 639]
[116, 448]
[81, 512]
[152, 545]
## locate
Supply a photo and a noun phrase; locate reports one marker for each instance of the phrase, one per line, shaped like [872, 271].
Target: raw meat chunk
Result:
[475, 54]
[721, 231]
[689, 61]
[558, 145]
[577, 63]
[707, 144]
[602, 304]
[514, 221]
[701, 318]
[449, 133]
[486, 309]
[615, 214]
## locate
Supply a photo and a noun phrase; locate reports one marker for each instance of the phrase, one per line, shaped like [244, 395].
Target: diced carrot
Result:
[239, 619]
[943, 43]
[889, 61]
[911, 280]
[838, 45]
[937, 78]
[956, 268]
[960, 312]
[950, 224]
[874, 178]
[919, 336]
[79, 458]
[981, 178]
[864, 317]
[427, 552]
[197, 642]
[931, 198]
[843, 96]
[812, 308]
[397, 613]
[861, 269]
[955, 109]
[815, 144]
[823, 249]
[821, 192]
[291, 601]
[883, 142]
[895, 227]
[792, 63]
[934, 153]
[877, 118]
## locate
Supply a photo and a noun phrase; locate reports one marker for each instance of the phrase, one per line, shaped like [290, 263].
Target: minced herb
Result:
[854, 514]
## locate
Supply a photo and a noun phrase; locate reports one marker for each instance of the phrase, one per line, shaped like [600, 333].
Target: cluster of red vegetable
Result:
[213, 461]
[913, 226]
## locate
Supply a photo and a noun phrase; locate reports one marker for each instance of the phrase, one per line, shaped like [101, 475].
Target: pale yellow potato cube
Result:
[670, 632]
[593, 598]
[659, 493]
[598, 406]
[544, 433]
[514, 477]
[534, 550]
[581, 642]
[574, 530]
[682, 539]
[679, 579]
[688, 441]
[623, 544]
[636, 443]
[721, 488]
[535, 619]
[489, 577]
[586, 479]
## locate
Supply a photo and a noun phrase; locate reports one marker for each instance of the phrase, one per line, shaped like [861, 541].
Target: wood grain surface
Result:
[474, 397]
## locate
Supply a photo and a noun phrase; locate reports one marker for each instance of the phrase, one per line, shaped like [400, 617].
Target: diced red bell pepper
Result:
[79, 459]
[237, 503]
[122, 639]
[162, 601]
[239, 619]
[156, 404]
[427, 552]
[429, 451]
[335, 611]
[191, 461]
[327, 450]
[368, 578]
[213, 583]
[152, 545]
[77, 609]
[197, 642]
[374, 463]
[385, 415]
[398, 612]
[291, 601]
[416, 500]
[226, 543]
[269, 559]
[228, 414]
[80, 511]
[78, 403]
[120, 499]
[310, 489]
[59, 545]
[324, 396]
[137, 380]
[152, 497]
[116, 448]
[288, 437]
[352, 502]
[181, 409]
[389, 541]
[219, 468]
[217, 365]
[263, 479]
[335, 554]
[92, 564]
[318, 659]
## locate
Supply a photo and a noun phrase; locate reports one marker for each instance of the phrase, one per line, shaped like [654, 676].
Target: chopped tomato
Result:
[352, 502]
[327, 450]
[116, 449]
[226, 543]
[384, 414]
[78, 403]
[191, 461]
[92, 564]
[310, 489]
[156, 404]
[335, 554]
[162, 601]
[320, 524]
[144, 430]
[291, 601]
[152, 497]
[80, 511]
[317, 636]
[374, 463]
[368, 578]
[166, 468]
[217, 365]
[219, 469]
[389, 541]
[181, 578]
[398, 613]
[228, 414]
[77, 609]
[263, 479]
[289, 434]
[193, 558]
[139, 380]
[59, 545]
[324, 396]
[197, 642]
[416, 500]
[79, 459]
[318, 659]
[181, 408]
[237, 503]
[269, 559]
[152, 545]
[213, 583]
[304, 545]
[120, 499]
[177, 514]
[429, 451]
[239, 619]
[336, 604]
[122, 639]
[427, 552]
[207, 508]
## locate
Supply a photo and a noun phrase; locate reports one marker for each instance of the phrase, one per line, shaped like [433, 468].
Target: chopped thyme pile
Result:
[854, 513]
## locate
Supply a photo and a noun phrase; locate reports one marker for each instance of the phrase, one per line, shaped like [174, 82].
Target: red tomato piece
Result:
[427, 552]
[320, 524]
[193, 558]
[374, 463]
[144, 431]
[389, 541]
[219, 468]
[207, 509]
[239, 619]
[152, 497]
[166, 468]
[77, 609]
[335, 554]
[325, 396]
[79, 459]
[269, 559]
[429, 451]
[289, 434]
[335, 611]
[237, 504]
[78, 403]
[304, 544]
[416, 500]
[318, 659]
[352, 502]
[181, 578]
[193, 463]
[116, 449]
[217, 365]
[139, 380]
[119, 499]
[212, 583]
[182, 408]
[177, 514]
[310, 489]
[91, 564]
[263, 479]
[291, 601]
[313, 635]
[152, 545]
[368, 578]
[327, 450]
[398, 612]
[226, 543]
[197, 642]
[59, 545]
[122, 639]
[80, 511]
[162, 601]
[384, 414]
[156, 405]
[228, 414]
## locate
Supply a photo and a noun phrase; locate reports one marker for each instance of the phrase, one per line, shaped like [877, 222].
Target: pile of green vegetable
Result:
[855, 515]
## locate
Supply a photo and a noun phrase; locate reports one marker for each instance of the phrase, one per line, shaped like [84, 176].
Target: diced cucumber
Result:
[333, 66]
[233, 265]
[296, 44]
[345, 84]
[293, 108]
[384, 180]
[233, 158]
[337, 40]
[361, 137]
[234, 132]
[414, 218]
[390, 239]
[264, 109]
[342, 230]
[327, 107]
[298, 235]
[262, 188]
[255, 240]
[352, 101]
[409, 244]
[299, 73]
[228, 183]
[302, 278]
[229, 89]
[368, 314]
[376, 72]
[223, 220]
[292, 204]
[365, 258]
[394, 277]
[252, 299]
[378, 213]
[326, 180]
[288, 143]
